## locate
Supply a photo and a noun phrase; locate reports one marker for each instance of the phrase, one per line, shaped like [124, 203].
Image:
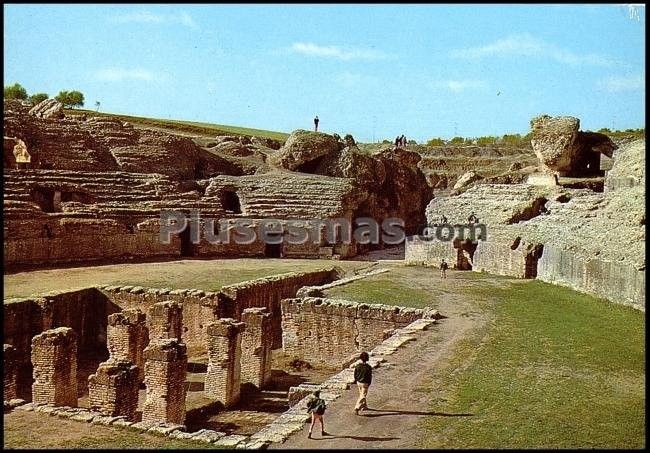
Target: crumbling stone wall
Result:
[223, 378]
[113, 389]
[267, 292]
[516, 258]
[199, 308]
[256, 345]
[165, 371]
[9, 372]
[166, 321]
[327, 331]
[127, 337]
[85, 311]
[54, 358]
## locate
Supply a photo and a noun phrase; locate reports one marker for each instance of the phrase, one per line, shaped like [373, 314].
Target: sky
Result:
[374, 71]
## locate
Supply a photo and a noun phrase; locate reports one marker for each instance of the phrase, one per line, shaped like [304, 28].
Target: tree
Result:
[457, 141]
[37, 98]
[70, 98]
[15, 91]
[604, 130]
[486, 140]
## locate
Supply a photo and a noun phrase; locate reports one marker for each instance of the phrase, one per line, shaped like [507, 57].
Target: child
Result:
[317, 408]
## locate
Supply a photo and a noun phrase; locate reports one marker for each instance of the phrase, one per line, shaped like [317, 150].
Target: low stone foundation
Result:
[9, 372]
[113, 389]
[328, 331]
[54, 358]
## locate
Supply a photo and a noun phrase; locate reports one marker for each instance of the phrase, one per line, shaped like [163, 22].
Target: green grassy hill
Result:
[190, 127]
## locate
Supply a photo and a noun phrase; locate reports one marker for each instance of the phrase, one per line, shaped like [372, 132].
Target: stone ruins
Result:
[568, 210]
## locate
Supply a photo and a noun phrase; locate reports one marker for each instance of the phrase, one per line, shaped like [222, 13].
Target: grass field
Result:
[191, 127]
[207, 275]
[556, 369]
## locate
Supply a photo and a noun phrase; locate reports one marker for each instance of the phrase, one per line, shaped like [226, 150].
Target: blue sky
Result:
[369, 70]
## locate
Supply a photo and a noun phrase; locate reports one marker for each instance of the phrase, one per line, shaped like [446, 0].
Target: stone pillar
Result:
[166, 321]
[222, 381]
[127, 335]
[113, 389]
[54, 357]
[256, 344]
[164, 376]
[9, 368]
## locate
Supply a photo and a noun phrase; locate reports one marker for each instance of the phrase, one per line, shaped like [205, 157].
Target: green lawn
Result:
[186, 126]
[555, 369]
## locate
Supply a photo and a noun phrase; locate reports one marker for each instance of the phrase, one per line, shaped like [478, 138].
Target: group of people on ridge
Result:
[400, 141]
[362, 377]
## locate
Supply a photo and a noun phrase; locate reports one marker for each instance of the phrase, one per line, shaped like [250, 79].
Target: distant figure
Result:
[403, 141]
[472, 218]
[316, 407]
[397, 142]
[443, 269]
[363, 379]
[316, 120]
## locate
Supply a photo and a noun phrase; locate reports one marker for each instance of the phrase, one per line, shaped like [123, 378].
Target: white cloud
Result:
[347, 53]
[615, 84]
[526, 45]
[121, 74]
[147, 17]
[459, 85]
[351, 79]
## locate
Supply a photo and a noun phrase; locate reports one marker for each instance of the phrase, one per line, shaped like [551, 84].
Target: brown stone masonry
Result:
[164, 376]
[166, 321]
[127, 336]
[222, 381]
[9, 372]
[54, 358]
[256, 345]
[113, 389]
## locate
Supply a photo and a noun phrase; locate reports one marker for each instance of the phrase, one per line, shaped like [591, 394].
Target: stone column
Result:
[164, 376]
[166, 320]
[222, 381]
[127, 335]
[54, 357]
[113, 389]
[9, 368]
[256, 344]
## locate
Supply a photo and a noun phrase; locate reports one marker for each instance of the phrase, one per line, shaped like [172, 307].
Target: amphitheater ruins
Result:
[90, 191]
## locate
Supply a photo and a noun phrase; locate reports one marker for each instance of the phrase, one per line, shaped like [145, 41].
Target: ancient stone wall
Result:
[165, 370]
[54, 358]
[607, 279]
[199, 308]
[113, 389]
[85, 311]
[328, 331]
[9, 369]
[166, 321]
[516, 259]
[223, 378]
[127, 337]
[256, 345]
[423, 251]
[267, 292]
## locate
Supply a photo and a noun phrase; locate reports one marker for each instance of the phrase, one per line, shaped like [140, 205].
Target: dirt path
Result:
[401, 394]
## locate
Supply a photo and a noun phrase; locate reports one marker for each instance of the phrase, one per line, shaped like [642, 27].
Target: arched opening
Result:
[274, 249]
[230, 202]
[465, 254]
[186, 242]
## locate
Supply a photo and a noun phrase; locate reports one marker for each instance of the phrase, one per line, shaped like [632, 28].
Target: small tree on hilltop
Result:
[436, 142]
[38, 98]
[457, 141]
[70, 98]
[15, 91]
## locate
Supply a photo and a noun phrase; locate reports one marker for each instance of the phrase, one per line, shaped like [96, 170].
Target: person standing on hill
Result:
[363, 379]
[316, 120]
[403, 141]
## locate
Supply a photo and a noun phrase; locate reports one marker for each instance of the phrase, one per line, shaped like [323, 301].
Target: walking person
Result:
[443, 269]
[316, 407]
[403, 140]
[397, 142]
[316, 120]
[363, 379]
